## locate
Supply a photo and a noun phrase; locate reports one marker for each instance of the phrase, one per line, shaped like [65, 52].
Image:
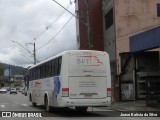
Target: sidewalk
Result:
[139, 105]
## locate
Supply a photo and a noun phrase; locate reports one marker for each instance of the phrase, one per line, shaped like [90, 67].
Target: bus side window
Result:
[38, 72]
[50, 69]
[40, 75]
[59, 64]
[53, 68]
[32, 74]
[56, 66]
[44, 70]
[35, 73]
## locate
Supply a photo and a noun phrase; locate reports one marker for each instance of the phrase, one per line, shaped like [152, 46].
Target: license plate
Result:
[88, 96]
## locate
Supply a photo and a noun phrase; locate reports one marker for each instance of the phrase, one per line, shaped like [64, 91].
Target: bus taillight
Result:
[109, 92]
[65, 92]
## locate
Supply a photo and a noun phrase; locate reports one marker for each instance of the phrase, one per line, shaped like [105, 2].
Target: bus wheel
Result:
[81, 109]
[47, 107]
[34, 104]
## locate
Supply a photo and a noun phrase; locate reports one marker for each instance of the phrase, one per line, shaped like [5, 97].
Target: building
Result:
[4, 81]
[131, 36]
[18, 80]
[12, 81]
[89, 27]
[131, 27]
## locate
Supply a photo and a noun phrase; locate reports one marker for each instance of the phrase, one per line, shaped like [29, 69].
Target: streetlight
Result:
[34, 51]
[21, 46]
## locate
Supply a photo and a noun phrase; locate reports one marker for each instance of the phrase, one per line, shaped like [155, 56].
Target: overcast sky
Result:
[39, 21]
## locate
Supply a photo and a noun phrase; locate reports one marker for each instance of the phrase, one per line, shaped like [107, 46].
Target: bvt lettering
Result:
[83, 61]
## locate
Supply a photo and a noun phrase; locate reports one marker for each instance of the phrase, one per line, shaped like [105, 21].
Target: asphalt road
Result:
[19, 106]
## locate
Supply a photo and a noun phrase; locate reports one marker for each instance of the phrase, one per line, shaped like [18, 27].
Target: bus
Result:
[74, 78]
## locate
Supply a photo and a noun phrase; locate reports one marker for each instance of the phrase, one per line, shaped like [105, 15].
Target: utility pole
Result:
[88, 27]
[34, 53]
[34, 50]
[89, 46]
[9, 77]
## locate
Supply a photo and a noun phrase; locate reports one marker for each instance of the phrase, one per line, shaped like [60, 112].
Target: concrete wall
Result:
[109, 43]
[109, 34]
[132, 17]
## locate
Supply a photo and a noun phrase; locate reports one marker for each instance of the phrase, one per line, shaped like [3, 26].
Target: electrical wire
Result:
[71, 13]
[47, 27]
[22, 46]
[50, 25]
[56, 33]
[27, 47]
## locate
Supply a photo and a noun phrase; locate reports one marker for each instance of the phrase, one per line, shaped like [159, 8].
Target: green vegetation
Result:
[16, 70]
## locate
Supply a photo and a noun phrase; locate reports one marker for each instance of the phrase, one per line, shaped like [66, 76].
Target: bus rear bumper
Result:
[67, 102]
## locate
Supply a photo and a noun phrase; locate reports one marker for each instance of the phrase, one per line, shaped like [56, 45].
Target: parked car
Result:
[3, 90]
[13, 90]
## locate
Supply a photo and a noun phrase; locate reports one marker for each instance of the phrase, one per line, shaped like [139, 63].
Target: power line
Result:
[26, 57]
[48, 26]
[70, 13]
[87, 25]
[58, 17]
[27, 46]
[34, 51]
[22, 46]
[56, 33]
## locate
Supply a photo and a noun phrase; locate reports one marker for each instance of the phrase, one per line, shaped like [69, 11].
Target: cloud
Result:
[24, 20]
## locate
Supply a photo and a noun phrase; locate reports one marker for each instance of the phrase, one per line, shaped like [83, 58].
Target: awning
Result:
[145, 40]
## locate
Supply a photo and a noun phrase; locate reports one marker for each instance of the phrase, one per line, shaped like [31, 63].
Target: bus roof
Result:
[58, 55]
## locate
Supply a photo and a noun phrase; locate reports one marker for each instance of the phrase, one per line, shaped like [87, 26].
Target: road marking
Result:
[25, 105]
[3, 106]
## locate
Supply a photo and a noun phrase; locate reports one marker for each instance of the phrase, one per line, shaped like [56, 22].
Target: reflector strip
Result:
[65, 89]
[109, 92]
[109, 89]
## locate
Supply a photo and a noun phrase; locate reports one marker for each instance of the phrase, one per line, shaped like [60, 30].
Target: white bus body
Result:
[84, 79]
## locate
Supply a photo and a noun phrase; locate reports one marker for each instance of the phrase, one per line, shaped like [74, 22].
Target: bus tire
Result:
[34, 104]
[47, 107]
[81, 109]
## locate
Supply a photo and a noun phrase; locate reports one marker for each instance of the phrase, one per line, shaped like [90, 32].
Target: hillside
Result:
[16, 70]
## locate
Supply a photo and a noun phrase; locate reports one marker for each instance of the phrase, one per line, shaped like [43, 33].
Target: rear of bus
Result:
[88, 79]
